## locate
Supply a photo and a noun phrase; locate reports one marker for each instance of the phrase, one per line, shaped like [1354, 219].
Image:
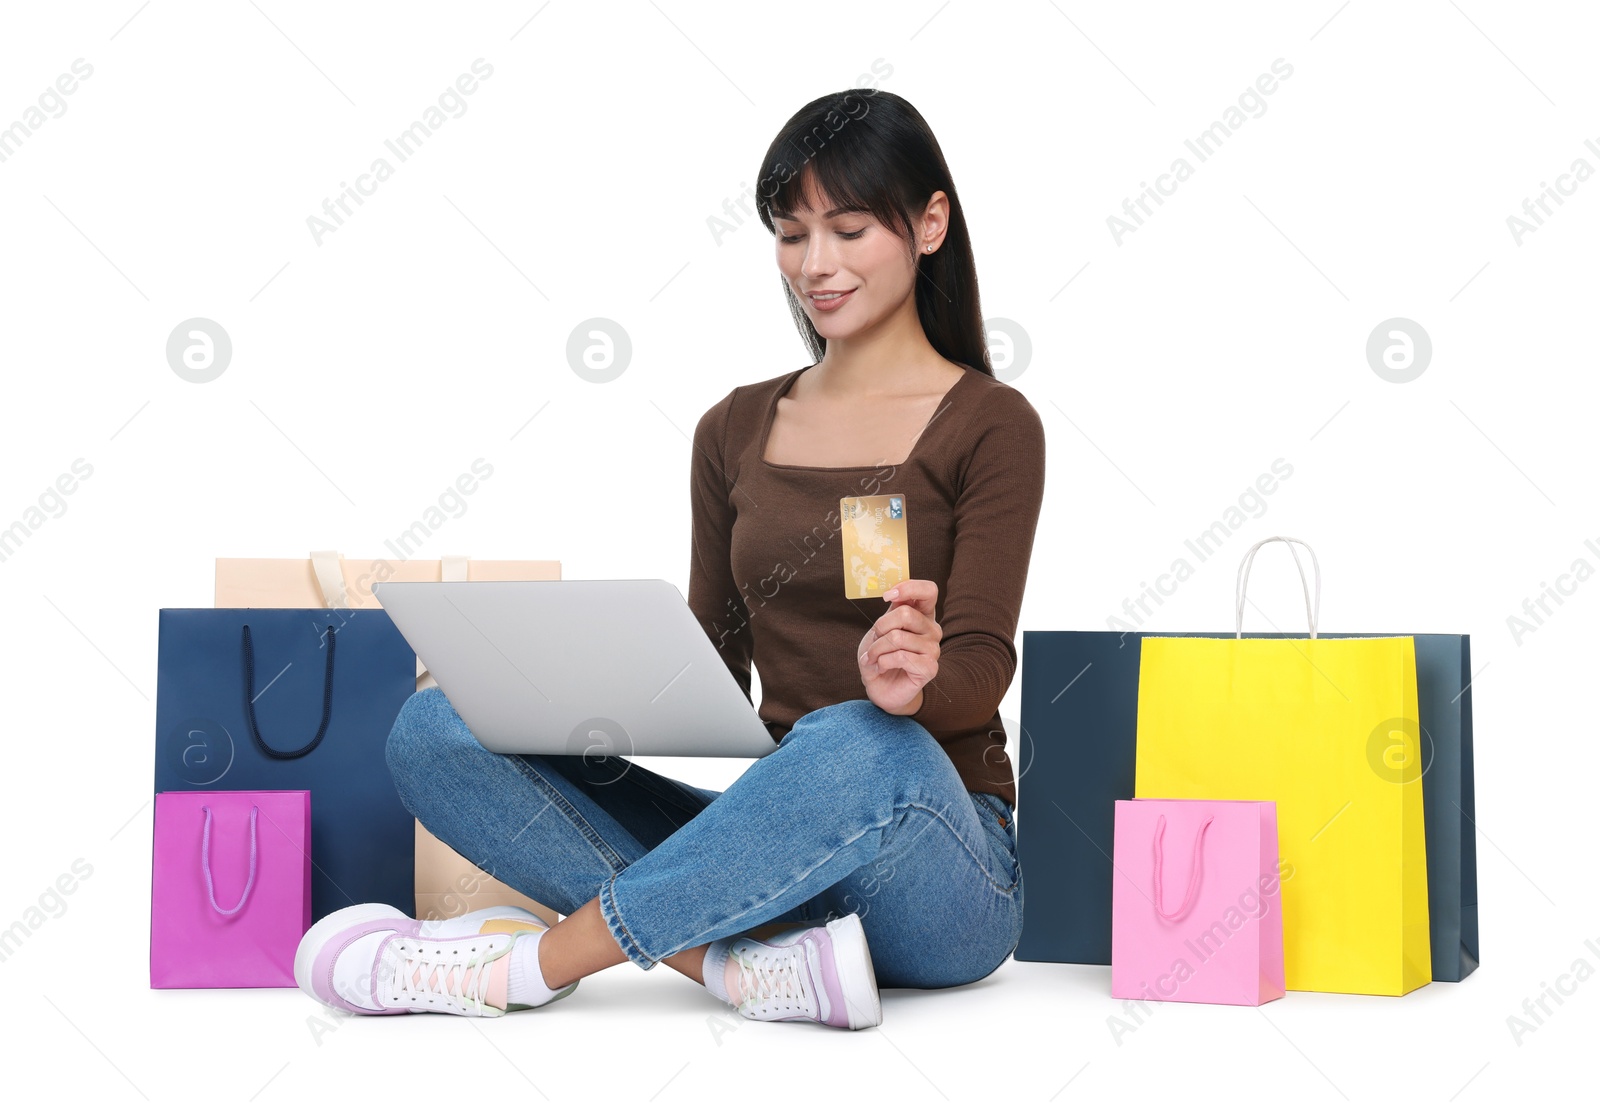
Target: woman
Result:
[876, 845]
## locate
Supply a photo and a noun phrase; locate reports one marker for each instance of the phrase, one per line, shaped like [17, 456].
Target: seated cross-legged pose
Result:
[876, 846]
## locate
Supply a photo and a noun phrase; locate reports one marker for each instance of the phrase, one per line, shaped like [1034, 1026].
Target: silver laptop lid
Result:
[578, 666]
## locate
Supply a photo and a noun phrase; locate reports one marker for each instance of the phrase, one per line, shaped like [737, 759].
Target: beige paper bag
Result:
[328, 580]
[447, 884]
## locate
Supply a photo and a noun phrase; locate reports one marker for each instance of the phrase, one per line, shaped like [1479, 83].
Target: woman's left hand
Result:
[900, 652]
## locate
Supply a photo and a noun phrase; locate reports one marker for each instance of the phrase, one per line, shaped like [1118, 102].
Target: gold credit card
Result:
[873, 535]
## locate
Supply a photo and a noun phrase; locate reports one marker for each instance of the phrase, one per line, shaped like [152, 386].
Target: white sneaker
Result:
[821, 973]
[373, 959]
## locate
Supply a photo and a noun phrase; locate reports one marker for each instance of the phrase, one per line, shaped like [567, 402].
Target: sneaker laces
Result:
[465, 983]
[772, 979]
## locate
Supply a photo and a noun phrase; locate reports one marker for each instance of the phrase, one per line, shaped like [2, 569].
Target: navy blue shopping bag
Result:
[295, 699]
[1080, 705]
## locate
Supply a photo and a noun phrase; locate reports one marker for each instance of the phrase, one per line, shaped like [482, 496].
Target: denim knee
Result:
[423, 727]
[866, 742]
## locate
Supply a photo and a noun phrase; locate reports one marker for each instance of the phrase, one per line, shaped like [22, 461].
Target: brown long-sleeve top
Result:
[766, 577]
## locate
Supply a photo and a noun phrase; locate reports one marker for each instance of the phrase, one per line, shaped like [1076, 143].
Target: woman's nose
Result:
[818, 260]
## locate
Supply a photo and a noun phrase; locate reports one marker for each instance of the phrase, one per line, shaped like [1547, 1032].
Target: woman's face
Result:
[823, 250]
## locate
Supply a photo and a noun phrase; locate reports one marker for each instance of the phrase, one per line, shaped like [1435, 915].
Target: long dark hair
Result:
[871, 149]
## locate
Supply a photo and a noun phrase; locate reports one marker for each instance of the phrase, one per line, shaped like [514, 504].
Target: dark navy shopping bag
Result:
[1080, 705]
[295, 699]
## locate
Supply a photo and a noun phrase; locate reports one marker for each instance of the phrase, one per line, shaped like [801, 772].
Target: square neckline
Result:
[772, 416]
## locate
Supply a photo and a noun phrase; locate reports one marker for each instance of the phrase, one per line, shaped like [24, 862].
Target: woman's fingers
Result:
[920, 666]
[921, 594]
[899, 639]
[911, 619]
[901, 649]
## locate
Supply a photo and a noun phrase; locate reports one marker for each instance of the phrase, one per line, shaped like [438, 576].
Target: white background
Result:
[1170, 369]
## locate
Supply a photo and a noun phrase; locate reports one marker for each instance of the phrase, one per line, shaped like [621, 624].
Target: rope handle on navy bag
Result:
[1194, 869]
[1313, 606]
[205, 863]
[250, 696]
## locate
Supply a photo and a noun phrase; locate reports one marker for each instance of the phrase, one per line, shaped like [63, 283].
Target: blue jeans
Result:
[856, 811]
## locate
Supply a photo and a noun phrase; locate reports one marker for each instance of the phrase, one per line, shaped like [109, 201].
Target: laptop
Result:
[578, 666]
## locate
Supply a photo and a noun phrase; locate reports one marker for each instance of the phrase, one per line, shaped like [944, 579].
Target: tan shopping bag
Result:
[446, 883]
[327, 580]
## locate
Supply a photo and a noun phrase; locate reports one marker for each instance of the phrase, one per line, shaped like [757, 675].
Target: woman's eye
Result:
[850, 236]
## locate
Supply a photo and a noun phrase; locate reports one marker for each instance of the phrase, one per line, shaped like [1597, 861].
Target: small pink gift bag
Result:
[230, 888]
[1195, 902]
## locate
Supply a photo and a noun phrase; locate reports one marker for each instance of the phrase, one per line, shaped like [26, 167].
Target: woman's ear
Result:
[935, 221]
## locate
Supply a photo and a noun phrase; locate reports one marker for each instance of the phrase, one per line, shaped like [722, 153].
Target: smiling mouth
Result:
[831, 300]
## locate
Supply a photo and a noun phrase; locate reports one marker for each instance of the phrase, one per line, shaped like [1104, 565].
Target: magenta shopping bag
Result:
[230, 888]
[1195, 913]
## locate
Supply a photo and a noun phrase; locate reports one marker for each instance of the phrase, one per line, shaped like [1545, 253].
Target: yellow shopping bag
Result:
[1328, 729]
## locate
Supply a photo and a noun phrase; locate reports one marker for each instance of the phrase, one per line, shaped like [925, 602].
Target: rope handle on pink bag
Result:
[1194, 872]
[205, 862]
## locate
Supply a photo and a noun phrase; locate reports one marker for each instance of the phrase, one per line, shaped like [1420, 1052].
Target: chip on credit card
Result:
[873, 536]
